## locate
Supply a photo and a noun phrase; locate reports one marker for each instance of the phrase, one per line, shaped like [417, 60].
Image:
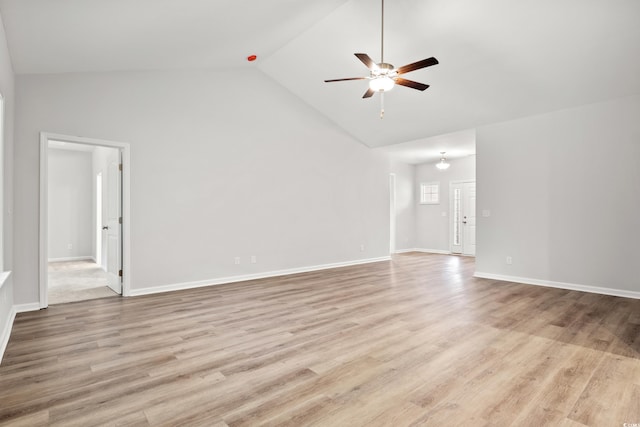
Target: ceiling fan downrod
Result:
[382, 34]
[382, 56]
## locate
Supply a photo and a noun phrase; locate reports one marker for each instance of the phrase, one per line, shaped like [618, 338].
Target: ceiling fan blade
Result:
[342, 80]
[411, 84]
[366, 60]
[369, 93]
[417, 65]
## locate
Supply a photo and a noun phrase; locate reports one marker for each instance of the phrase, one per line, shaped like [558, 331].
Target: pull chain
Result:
[381, 105]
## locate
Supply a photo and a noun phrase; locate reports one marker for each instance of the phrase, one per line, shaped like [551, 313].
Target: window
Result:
[457, 209]
[429, 193]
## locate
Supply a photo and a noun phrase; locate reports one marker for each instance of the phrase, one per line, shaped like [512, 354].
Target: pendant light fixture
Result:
[443, 165]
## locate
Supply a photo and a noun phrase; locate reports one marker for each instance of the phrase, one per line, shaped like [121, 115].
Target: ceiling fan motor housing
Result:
[383, 69]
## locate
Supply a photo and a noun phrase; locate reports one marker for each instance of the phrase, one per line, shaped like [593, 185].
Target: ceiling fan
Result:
[383, 76]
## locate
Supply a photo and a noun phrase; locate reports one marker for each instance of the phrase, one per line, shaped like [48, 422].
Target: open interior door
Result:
[114, 222]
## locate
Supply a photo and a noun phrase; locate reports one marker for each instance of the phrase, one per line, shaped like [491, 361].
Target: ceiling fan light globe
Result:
[381, 84]
[443, 165]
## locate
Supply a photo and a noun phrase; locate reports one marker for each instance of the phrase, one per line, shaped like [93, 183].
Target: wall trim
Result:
[426, 251]
[433, 251]
[71, 258]
[6, 332]
[560, 285]
[4, 275]
[242, 278]
[404, 251]
[23, 308]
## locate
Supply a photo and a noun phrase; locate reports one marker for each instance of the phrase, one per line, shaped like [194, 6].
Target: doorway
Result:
[392, 213]
[84, 207]
[98, 223]
[463, 217]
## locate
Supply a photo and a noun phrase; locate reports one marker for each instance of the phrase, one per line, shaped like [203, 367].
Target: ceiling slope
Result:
[499, 60]
[63, 36]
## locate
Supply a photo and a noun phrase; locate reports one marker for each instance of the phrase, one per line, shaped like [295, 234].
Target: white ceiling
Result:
[427, 150]
[499, 59]
[62, 36]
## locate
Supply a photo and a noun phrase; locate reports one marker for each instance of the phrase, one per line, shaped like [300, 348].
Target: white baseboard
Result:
[433, 251]
[234, 279]
[560, 285]
[404, 251]
[427, 251]
[6, 332]
[71, 258]
[23, 308]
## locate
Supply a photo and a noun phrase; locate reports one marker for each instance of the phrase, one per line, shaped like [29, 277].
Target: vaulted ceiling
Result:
[499, 59]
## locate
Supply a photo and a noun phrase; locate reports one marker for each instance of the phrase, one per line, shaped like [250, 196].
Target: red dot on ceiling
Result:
[251, 58]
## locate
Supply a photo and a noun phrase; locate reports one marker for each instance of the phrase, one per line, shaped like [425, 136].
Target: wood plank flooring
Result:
[416, 341]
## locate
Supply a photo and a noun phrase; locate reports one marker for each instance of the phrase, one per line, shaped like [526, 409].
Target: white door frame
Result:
[392, 213]
[451, 215]
[44, 207]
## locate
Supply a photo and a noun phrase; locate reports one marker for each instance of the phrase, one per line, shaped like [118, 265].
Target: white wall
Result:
[432, 228]
[563, 193]
[405, 205]
[70, 204]
[224, 164]
[6, 204]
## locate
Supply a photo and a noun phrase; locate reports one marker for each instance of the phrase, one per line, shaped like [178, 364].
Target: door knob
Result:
[105, 227]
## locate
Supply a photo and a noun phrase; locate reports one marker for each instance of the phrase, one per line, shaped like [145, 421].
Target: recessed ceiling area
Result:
[427, 150]
[499, 59]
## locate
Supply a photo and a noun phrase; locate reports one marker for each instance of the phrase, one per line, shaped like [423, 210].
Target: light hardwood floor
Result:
[415, 341]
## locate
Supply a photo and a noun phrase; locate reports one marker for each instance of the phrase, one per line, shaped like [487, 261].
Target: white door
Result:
[113, 226]
[99, 219]
[469, 219]
[463, 208]
[392, 213]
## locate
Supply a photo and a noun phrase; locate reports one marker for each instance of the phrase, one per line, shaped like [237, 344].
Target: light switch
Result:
[486, 213]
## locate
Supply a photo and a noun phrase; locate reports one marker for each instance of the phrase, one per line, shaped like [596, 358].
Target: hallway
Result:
[77, 281]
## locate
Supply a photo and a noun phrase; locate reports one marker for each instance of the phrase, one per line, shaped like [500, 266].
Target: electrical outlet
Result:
[236, 260]
[254, 259]
[509, 260]
[361, 248]
[69, 246]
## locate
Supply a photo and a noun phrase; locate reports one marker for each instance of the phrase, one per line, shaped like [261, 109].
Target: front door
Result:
[469, 218]
[463, 208]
